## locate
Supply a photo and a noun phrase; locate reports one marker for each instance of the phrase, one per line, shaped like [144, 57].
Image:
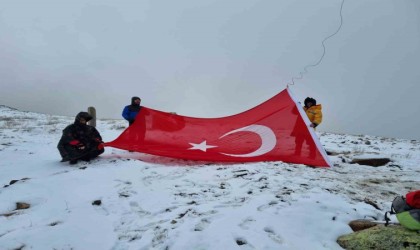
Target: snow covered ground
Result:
[125, 200]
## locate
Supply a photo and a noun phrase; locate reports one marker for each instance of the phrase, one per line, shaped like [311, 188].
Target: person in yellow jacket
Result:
[313, 111]
[314, 114]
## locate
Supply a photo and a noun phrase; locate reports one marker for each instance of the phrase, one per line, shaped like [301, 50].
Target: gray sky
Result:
[214, 58]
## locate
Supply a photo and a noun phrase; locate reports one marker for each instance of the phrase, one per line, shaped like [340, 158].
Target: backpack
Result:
[407, 210]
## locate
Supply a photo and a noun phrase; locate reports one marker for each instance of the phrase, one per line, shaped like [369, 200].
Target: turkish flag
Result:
[276, 130]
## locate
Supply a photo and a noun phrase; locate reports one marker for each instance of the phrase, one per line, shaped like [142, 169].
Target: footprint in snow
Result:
[275, 237]
[160, 236]
[203, 224]
[243, 243]
[246, 222]
[137, 209]
[264, 207]
[125, 189]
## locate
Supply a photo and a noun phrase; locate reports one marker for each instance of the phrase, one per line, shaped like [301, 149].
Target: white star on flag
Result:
[202, 146]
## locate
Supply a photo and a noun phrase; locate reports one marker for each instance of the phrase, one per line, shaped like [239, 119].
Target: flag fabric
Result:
[276, 130]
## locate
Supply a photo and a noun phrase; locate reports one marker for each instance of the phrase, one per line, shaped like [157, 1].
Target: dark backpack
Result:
[407, 210]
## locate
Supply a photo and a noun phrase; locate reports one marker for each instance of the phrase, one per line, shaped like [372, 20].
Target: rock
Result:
[97, 202]
[358, 225]
[374, 162]
[8, 214]
[380, 237]
[13, 182]
[332, 153]
[22, 205]
[372, 203]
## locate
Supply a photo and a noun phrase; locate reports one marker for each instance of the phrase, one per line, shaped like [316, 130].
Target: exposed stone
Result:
[97, 202]
[13, 182]
[241, 241]
[22, 205]
[20, 248]
[380, 237]
[332, 153]
[8, 214]
[55, 223]
[358, 225]
[372, 203]
[374, 162]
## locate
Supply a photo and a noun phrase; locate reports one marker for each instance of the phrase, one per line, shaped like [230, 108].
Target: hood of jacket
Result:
[84, 115]
[133, 99]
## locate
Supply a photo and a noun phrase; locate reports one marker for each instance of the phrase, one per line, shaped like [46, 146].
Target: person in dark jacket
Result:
[80, 141]
[130, 111]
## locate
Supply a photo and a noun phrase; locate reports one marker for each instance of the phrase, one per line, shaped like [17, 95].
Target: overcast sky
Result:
[214, 58]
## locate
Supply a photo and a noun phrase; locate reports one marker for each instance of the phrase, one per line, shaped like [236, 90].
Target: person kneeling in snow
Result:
[80, 141]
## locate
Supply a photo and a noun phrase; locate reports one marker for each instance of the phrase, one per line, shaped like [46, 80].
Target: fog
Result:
[216, 58]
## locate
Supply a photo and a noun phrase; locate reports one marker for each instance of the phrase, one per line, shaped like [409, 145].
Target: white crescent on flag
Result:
[267, 135]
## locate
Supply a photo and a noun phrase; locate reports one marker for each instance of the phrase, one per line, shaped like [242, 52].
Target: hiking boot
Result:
[86, 158]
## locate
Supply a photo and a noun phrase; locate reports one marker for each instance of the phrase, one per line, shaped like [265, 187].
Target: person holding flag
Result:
[130, 111]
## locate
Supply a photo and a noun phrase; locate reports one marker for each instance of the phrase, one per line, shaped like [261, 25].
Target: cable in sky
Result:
[305, 69]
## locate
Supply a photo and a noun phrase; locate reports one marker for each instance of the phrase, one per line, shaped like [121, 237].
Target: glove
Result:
[101, 146]
[98, 140]
[77, 144]
[74, 142]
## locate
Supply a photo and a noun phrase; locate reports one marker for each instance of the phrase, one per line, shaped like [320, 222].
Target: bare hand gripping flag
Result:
[276, 130]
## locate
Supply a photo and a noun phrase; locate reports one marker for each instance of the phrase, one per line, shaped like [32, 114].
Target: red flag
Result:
[276, 130]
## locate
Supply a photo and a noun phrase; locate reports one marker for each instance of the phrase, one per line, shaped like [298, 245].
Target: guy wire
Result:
[305, 69]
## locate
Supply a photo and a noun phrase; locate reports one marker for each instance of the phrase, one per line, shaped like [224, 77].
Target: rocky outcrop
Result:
[374, 162]
[22, 205]
[358, 225]
[381, 237]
